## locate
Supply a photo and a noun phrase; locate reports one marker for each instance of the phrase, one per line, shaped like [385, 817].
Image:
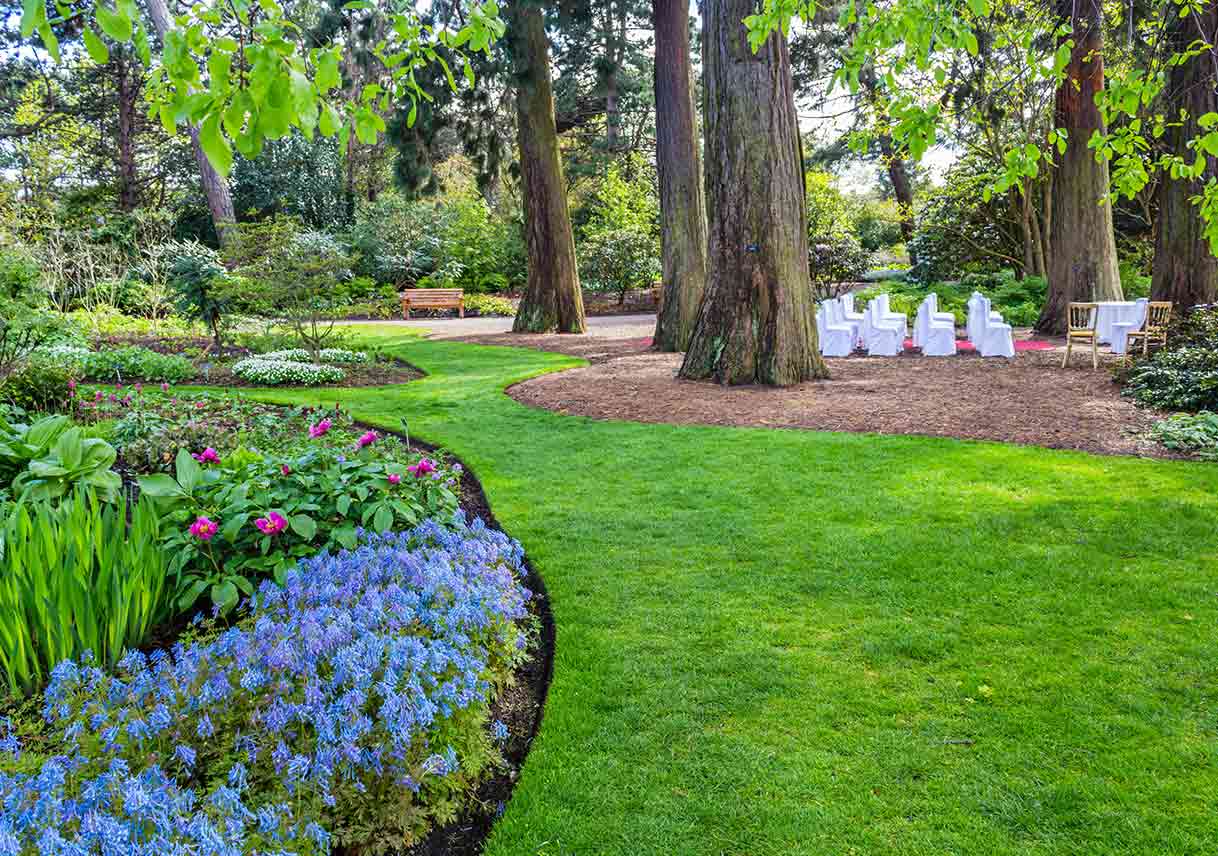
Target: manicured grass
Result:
[776, 642]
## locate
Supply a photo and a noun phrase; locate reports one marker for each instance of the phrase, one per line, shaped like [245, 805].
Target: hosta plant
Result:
[74, 460]
[21, 443]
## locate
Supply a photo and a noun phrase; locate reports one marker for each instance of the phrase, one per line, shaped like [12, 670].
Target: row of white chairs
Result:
[882, 332]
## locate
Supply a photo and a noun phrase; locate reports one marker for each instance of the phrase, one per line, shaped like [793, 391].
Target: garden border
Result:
[467, 835]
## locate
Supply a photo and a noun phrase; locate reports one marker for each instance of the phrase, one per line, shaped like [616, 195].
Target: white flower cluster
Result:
[328, 355]
[273, 372]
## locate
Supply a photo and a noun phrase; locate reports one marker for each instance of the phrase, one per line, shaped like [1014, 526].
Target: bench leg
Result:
[406, 311]
[461, 310]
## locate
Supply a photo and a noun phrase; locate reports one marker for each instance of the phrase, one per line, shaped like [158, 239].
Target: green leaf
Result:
[33, 13]
[383, 521]
[96, 47]
[215, 146]
[115, 24]
[189, 473]
[224, 595]
[304, 526]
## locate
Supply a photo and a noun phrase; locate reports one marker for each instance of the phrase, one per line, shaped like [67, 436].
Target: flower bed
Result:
[326, 355]
[276, 372]
[349, 707]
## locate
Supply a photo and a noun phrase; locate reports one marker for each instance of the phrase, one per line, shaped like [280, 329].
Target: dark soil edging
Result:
[520, 706]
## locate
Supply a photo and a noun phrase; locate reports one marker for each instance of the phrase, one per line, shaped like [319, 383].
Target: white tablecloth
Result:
[1112, 312]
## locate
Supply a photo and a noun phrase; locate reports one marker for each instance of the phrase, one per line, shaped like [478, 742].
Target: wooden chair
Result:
[1158, 316]
[1080, 327]
[433, 298]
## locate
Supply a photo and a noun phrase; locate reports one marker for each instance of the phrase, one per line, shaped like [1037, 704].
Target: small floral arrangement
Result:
[277, 372]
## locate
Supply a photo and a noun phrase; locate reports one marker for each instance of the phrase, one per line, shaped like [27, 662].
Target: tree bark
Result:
[127, 92]
[1184, 270]
[1083, 264]
[679, 164]
[898, 175]
[552, 299]
[757, 322]
[215, 188]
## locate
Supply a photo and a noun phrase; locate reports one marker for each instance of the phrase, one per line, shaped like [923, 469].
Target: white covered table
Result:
[1115, 312]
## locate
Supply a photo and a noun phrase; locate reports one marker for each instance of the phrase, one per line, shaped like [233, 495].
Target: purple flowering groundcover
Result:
[348, 708]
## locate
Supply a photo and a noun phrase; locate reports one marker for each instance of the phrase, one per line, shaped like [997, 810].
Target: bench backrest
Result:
[420, 296]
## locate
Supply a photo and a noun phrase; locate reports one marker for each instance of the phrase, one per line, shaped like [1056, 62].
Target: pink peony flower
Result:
[97, 396]
[207, 456]
[164, 387]
[72, 384]
[320, 429]
[204, 529]
[394, 478]
[366, 439]
[286, 470]
[272, 524]
[422, 468]
[139, 387]
[199, 405]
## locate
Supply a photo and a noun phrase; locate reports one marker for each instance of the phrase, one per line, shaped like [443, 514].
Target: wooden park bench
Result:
[433, 298]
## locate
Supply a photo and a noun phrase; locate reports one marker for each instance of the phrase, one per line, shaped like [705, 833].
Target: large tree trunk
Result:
[682, 206]
[552, 299]
[215, 188]
[1083, 264]
[757, 322]
[128, 93]
[1185, 271]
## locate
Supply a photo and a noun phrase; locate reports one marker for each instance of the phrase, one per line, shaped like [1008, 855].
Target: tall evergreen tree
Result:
[756, 323]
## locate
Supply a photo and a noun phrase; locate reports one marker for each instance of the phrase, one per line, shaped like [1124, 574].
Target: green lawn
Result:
[776, 642]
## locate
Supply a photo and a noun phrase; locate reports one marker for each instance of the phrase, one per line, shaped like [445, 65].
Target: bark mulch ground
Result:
[1029, 400]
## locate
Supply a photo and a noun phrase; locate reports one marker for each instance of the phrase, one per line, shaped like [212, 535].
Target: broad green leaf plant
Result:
[241, 71]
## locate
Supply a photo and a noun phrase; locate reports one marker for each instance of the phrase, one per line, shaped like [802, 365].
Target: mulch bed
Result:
[594, 349]
[1029, 400]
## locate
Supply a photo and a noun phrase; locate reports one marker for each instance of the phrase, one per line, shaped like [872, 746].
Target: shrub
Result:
[278, 372]
[1195, 433]
[78, 578]
[1177, 379]
[351, 704]
[835, 259]
[486, 304]
[197, 278]
[40, 386]
[322, 497]
[122, 365]
[619, 260]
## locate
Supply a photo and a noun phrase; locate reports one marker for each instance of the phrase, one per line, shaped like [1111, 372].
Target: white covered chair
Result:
[835, 313]
[934, 332]
[836, 340]
[882, 337]
[849, 315]
[975, 325]
[886, 314]
[931, 314]
[1122, 329]
[997, 340]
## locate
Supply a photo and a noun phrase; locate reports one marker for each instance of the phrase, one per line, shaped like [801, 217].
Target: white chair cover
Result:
[836, 314]
[836, 340]
[887, 314]
[997, 340]
[934, 332]
[882, 337]
[978, 316]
